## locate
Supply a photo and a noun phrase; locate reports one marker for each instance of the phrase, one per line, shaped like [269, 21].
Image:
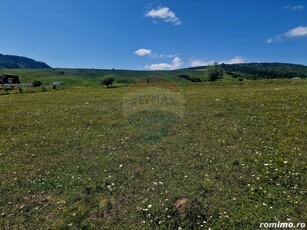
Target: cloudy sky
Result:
[160, 34]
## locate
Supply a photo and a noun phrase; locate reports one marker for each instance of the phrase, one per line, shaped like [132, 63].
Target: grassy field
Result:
[92, 77]
[76, 159]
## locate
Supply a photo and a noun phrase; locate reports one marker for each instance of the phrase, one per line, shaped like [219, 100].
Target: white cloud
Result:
[171, 55]
[234, 60]
[165, 14]
[176, 64]
[147, 52]
[295, 8]
[157, 55]
[299, 31]
[278, 38]
[195, 63]
[142, 52]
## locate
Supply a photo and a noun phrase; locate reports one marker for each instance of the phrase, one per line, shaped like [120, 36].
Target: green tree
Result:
[107, 81]
[215, 72]
[36, 83]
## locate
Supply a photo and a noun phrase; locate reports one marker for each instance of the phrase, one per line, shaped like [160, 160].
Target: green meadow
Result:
[88, 157]
[92, 77]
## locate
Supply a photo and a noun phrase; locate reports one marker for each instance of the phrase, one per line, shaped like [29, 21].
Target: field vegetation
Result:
[72, 159]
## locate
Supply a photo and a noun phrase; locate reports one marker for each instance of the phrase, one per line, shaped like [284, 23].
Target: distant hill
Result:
[18, 62]
[263, 70]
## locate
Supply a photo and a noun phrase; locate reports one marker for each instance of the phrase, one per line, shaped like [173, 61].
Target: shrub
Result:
[214, 72]
[5, 91]
[230, 73]
[236, 75]
[44, 89]
[36, 83]
[195, 79]
[187, 77]
[107, 82]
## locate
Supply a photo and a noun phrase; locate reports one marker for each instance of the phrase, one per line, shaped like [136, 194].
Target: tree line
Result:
[265, 70]
[261, 70]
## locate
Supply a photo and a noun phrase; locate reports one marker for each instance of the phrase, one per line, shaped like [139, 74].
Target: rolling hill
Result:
[18, 62]
[262, 70]
[28, 70]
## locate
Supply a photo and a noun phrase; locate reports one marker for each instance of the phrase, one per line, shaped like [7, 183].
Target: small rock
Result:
[182, 206]
[3, 215]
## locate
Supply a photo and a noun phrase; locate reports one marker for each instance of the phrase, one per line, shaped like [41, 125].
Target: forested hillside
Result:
[268, 70]
[263, 70]
[18, 62]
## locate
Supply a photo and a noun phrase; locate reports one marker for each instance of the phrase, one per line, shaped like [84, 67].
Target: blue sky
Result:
[161, 34]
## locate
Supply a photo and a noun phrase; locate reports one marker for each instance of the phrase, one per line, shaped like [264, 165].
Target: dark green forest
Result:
[18, 62]
[266, 70]
[263, 70]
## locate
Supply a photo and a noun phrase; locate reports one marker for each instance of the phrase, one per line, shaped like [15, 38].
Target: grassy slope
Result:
[93, 76]
[68, 158]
